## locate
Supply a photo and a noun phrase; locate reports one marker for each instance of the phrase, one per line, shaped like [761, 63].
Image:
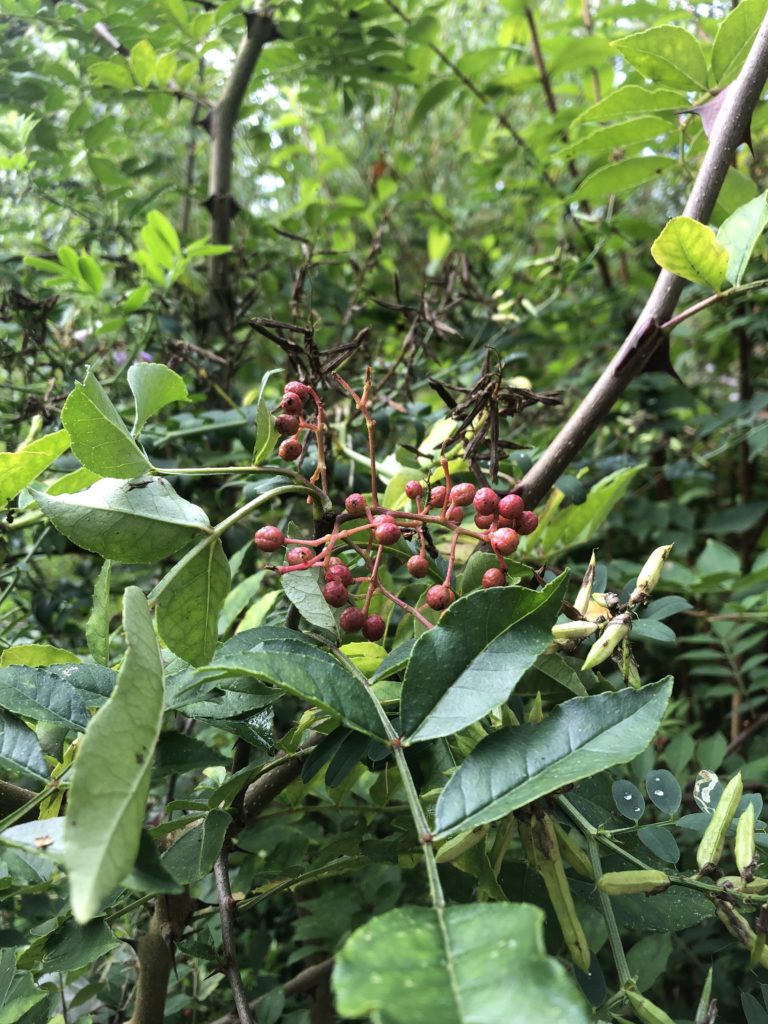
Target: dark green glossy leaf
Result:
[581, 737]
[74, 946]
[19, 749]
[473, 659]
[192, 856]
[41, 696]
[660, 842]
[628, 799]
[663, 790]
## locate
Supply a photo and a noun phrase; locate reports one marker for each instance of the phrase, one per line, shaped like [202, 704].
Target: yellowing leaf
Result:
[691, 250]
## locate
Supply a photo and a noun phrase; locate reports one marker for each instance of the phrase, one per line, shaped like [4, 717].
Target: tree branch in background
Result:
[260, 29]
[227, 907]
[646, 336]
[302, 982]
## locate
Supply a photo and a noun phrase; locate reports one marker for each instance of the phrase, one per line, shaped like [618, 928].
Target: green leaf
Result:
[431, 98]
[91, 273]
[138, 521]
[581, 737]
[660, 842]
[107, 172]
[691, 250]
[100, 439]
[734, 39]
[75, 946]
[473, 659]
[36, 655]
[635, 132]
[110, 784]
[284, 659]
[304, 590]
[666, 54]
[19, 469]
[472, 964]
[266, 435]
[142, 62]
[438, 243]
[739, 234]
[19, 749]
[154, 386]
[41, 697]
[192, 856]
[664, 790]
[578, 524]
[22, 996]
[633, 99]
[97, 626]
[112, 73]
[622, 177]
[163, 228]
[188, 609]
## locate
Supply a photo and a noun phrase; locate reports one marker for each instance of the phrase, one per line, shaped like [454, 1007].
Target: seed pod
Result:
[629, 670]
[565, 632]
[744, 847]
[585, 590]
[647, 1012]
[453, 848]
[710, 848]
[649, 575]
[573, 853]
[616, 631]
[549, 864]
[628, 883]
[741, 930]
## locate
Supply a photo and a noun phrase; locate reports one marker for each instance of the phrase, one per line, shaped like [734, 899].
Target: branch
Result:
[227, 907]
[155, 952]
[646, 337]
[221, 126]
[303, 982]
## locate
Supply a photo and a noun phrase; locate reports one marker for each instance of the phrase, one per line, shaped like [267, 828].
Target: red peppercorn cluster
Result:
[289, 420]
[499, 521]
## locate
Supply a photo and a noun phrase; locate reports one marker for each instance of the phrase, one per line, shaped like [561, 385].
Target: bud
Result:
[616, 631]
[565, 632]
[646, 1011]
[712, 842]
[649, 575]
[585, 590]
[628, 883]
[549, 864]
[744, 849]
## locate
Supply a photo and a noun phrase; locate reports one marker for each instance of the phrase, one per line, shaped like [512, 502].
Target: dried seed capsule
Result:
[565, 632]
[744, 847]
[647, 1012]
[585, 590]
[712, 842]
[741, 930]
[649, 575]
[627, 883]
[616, 631]
[549, 864]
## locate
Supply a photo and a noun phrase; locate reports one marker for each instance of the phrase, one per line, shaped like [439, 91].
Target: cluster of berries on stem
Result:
[365, 529]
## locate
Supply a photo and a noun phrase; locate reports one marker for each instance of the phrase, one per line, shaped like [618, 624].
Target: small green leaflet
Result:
[19, 469]
[19, 749]
[99, 437]
[107, 798]
[668, 55]
[581, 737]
[97, 626]
[188, 608]
[154, 386]
[472, 964]
[266, 435]
[692, 251]
[304, 590]
[740, 233]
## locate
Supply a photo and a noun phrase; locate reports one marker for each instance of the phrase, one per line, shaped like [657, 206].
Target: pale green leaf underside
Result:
[581, 737]
[107, 798]
[188, 609]
[471, 964]
[154, 386]
[99, 437]
[138, 521]
[739, 235]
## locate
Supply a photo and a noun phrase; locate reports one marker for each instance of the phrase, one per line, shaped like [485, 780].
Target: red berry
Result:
[268, 538]
[374, 627]
[351, 620]
[339, 573]
[504, 541]
[297, 556]
[291, 403]
[414, 489]
[439, 597]
[297, 388]
[387, 533]
[454, 514]
[484, 521]
[462, 494]
[527, 523]
[511, 505]
[493, 578]
[384, 517]
[290, 449]
[335, 593]
[417, 566]
[437, 497]
[355, 504]
[286, 425]
[486, 501]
